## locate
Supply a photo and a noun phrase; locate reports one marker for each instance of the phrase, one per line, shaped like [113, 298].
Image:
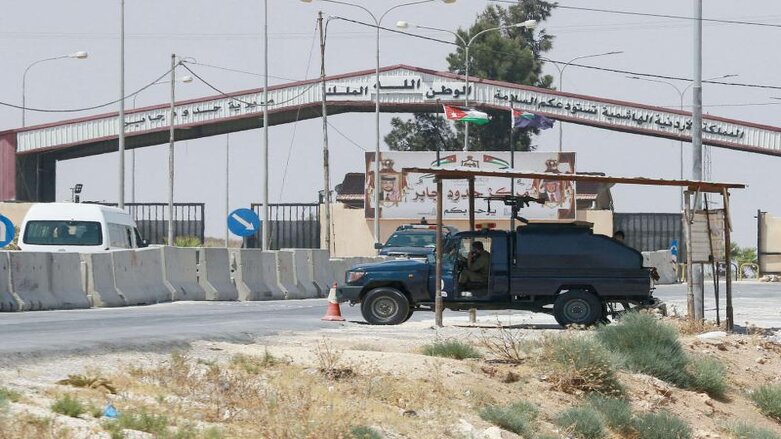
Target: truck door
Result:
[500, 268]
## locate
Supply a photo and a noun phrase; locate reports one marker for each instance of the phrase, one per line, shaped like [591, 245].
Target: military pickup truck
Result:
[560, 269]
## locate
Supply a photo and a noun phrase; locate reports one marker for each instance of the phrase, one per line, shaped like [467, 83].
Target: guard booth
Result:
[693, 217]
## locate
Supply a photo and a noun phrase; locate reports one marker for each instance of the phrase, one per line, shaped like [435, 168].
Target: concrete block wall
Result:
[43, 281]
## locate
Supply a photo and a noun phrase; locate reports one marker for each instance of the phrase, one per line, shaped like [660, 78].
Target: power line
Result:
[584, 66]
[645, 14]
[298, 114]
[94, 107]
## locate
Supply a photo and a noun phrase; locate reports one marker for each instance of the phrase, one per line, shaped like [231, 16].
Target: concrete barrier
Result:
[8, 302]
[338, 268]
[294, 274]
[662, 260]
[214, 274]
[255, 272]
[101, 287]
[43, 281]
[139, 276]
[180, 273]
[322, 274]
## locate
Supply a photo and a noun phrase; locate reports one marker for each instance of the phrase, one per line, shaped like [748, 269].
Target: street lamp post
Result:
[377, 23]
[121, 118]
[681, 95]
[183, 79]
[528, 24]
[75, 55]
[561, 79]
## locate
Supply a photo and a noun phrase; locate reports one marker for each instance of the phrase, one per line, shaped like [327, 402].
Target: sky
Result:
[228, 33]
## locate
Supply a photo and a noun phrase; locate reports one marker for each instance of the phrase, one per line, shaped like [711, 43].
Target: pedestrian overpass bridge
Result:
[28, 155]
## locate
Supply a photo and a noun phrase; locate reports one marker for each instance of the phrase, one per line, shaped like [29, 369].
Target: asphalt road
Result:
[37, 333]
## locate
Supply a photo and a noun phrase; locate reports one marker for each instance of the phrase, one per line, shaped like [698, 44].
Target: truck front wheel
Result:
[578, 307]
[385, 306]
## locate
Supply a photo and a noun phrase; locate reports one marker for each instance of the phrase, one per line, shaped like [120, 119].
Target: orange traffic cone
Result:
[333, 313]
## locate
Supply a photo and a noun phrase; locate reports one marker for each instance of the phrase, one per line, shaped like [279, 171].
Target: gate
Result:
[651, 231]
[292, 225]
[152, 220]
[768, 244]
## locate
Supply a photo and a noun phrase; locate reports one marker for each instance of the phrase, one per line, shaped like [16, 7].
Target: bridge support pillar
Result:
[35, 178]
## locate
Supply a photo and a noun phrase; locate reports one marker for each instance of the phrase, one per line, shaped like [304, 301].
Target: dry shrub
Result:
[329, 361]
[506, 345]
[686, 326]
[89, 382]
[579, 364]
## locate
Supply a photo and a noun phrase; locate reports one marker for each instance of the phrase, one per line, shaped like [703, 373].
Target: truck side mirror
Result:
[377, 245]
[144, 243]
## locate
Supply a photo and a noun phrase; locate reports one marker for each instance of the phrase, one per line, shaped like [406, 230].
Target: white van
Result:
[77, 228]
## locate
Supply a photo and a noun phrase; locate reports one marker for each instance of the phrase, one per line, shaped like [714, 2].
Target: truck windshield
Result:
[63, 233]
[412, 240]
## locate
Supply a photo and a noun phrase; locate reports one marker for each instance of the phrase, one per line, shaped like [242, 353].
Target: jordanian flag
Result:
[524, 119]
[449, 160]
[502, 164]
[464, 114]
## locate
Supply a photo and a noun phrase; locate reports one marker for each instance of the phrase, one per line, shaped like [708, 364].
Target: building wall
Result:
[353, 234]
[602, 220]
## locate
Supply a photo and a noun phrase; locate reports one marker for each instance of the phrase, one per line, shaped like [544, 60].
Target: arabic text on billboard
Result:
[413, 196]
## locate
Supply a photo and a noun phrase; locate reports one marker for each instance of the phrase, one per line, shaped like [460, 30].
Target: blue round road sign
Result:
[243, 222]
[7, 231]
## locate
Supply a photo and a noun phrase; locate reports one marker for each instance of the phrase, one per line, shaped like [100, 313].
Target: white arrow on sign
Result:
[248, 225]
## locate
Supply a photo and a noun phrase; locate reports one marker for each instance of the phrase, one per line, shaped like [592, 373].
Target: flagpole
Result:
[512, 161]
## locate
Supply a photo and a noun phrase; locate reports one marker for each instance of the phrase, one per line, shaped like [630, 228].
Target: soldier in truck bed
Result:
[477, 265]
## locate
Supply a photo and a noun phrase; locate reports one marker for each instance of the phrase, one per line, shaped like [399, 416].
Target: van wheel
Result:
[578, 307]
[385, 306]
[409, 314]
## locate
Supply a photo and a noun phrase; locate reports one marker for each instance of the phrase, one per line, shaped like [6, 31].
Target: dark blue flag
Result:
[524, 119]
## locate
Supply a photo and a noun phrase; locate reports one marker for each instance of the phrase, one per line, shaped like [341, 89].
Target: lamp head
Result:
[79, 55]
[306, 1]
[528, 24]
[402, 25]
[186, 78]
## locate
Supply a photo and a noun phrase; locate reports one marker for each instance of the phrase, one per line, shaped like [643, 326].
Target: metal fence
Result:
[152, 220]
[651, 231]
[292, 225]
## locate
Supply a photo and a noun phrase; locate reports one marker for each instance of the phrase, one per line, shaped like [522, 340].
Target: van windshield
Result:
[63, 233]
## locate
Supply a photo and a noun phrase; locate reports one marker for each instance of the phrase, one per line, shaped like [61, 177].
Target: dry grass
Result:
[257, 397]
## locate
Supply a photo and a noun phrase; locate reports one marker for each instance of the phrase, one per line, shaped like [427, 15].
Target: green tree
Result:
[511, 55]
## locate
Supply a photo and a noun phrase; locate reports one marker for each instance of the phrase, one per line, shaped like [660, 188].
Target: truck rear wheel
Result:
[578, 307]
[385, 306]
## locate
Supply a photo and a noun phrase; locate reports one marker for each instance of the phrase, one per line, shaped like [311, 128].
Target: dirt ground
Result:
[325, 383]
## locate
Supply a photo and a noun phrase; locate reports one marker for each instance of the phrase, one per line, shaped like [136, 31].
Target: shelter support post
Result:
[439, 254]
[687, 216]
[472, 311]
[728, 258]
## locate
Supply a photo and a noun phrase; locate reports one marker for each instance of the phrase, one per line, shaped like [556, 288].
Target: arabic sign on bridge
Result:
[412, 196]
[412, 89]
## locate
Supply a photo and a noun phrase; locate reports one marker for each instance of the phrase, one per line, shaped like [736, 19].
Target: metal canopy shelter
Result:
[692, 186]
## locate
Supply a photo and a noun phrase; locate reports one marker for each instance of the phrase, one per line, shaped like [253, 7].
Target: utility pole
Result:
[696, 283]
[266, 224]
[324, 110]
[171, 140]
[227, 186]
[121, 122]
